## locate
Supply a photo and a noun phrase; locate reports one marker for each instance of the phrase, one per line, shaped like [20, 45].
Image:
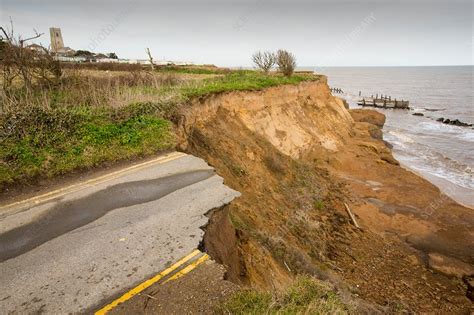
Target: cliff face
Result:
[296, 119]
[297, 155]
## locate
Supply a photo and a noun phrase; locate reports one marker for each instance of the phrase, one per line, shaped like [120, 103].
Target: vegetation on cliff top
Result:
[243, 80]
[87, 117]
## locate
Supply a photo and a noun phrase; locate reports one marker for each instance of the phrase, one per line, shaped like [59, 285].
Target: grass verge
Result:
[55, 142]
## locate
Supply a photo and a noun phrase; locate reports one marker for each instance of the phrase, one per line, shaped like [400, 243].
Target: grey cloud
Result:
[227, 33]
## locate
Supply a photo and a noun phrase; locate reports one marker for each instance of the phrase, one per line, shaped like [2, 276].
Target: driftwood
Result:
[352, 216]
[149, 296]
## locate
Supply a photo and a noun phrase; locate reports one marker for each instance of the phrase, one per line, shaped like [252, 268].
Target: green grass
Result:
[318, 204]
[242, 80]
[55, 142]
[191, 70]
[306, 296]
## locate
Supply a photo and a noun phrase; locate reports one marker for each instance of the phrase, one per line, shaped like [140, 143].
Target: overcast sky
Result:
[319, 33]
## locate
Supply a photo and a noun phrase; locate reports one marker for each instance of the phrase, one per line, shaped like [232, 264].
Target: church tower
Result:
[57, 43]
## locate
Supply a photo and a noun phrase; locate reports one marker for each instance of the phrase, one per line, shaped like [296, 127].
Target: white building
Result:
[70, 59]
[107, 60]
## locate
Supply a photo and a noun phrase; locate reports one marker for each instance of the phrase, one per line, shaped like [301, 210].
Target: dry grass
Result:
[103, 66]
[96, 89]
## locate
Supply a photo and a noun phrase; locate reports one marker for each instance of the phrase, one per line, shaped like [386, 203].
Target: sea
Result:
[443, 154]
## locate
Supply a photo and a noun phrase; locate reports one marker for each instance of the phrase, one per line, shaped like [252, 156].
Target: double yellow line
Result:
[159, 277]
[94, 181]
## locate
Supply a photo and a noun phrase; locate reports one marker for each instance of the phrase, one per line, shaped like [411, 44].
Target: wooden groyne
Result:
[383, 101]
[336, 90]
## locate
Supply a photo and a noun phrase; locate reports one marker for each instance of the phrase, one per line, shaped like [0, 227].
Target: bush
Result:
[24, 67]
[286, 62]
[264, 61]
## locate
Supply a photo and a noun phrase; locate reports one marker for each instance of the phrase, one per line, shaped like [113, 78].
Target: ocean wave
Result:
[462, 133]
[462, 179]
[467, 136]
[426, 159]
[401, 136]
[434, 126]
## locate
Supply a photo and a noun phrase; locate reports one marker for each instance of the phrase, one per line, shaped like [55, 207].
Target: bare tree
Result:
[18, 60]
[264, 61]
[150, 58]
[286, 62]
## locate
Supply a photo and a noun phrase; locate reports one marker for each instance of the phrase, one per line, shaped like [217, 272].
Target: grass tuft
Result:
[305, 296]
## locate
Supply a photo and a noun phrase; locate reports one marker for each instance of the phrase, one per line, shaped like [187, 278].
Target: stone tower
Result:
[57, 43]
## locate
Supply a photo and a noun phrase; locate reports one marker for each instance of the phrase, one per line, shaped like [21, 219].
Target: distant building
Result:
[182, 63]
[66, 54]
[57, 43]
[66, 51]
[70, 59]
[37, 48]
[107, 60]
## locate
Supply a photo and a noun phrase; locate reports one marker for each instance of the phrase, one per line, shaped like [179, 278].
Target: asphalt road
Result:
[73, 249]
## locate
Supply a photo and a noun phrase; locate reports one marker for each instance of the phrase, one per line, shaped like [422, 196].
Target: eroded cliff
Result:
[297, 155]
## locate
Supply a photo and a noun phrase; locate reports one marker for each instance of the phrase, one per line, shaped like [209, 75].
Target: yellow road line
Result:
[146, 284]
[188, 268]
[55, 193]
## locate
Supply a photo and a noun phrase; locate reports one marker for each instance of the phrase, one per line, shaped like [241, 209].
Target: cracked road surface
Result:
[74, 249]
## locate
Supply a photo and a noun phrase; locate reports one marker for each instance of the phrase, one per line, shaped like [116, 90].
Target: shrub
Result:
[264, 61]
[286, 62]
[24, 66]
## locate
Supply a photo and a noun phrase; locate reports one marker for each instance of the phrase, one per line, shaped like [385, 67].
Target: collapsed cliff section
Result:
[297, 155]
[252, 146]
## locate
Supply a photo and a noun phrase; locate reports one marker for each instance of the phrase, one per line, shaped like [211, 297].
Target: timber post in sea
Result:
[383, 101]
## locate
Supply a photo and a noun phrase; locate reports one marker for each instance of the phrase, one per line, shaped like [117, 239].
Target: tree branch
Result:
[31, 38]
